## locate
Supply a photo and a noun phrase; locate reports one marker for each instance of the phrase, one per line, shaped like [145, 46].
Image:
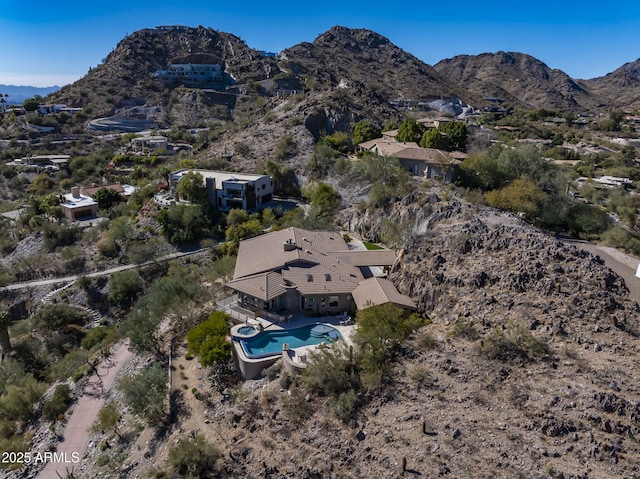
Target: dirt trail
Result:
[76, 432]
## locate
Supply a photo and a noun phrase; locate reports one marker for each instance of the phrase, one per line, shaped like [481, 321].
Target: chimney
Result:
[290, 245]
[75, 191]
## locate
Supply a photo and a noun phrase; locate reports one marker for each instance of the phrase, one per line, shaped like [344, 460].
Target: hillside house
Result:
[312, 272]
[228, 190]
[77, 205]
[125, 190]
[191, 73]
[146, 144]
[52, 109]
[427, 162]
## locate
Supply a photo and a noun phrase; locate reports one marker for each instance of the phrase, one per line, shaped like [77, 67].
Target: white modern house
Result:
[228, 190]
[191, 73]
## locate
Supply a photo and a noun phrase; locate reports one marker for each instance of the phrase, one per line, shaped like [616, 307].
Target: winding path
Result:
[77, 434]
[106, 272]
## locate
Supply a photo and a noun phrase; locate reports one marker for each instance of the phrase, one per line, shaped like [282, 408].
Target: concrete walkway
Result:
[76, 432]
[106, 272]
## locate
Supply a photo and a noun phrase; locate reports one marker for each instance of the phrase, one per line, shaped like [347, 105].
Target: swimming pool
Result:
[269, 343]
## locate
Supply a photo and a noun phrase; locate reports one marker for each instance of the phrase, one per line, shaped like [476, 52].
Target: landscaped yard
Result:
[371, 245]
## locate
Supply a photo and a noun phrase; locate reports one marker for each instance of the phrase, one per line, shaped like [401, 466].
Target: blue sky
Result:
[43, 43]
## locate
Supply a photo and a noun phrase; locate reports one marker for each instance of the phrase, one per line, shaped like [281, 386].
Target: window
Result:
[333, 301]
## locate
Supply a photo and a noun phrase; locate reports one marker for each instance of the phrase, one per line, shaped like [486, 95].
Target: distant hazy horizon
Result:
[56, 44]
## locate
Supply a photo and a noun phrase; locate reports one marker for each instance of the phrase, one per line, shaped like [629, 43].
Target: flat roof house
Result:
[228, 190]
[313, 272]
[78, 206]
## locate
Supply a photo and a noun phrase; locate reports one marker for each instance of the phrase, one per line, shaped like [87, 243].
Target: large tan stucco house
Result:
[313, 272]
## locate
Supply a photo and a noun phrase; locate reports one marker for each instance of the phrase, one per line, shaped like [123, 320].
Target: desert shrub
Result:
[18, 399]
[332, 371]
[95, 336]
[513, 342]
[145, 393]
[285, 148]
[58, 403]
[618, 237]
[193, 457]
[345, 404]
[124, 286]
[55, 317]
[56, 236]
[464, 328]
[208, 336]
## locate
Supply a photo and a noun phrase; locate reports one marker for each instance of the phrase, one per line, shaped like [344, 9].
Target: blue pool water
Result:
[269, 343]
[246, 331]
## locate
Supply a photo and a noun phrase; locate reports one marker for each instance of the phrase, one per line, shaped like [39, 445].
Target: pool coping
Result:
[250, 368]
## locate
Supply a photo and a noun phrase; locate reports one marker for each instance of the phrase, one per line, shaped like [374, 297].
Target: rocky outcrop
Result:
[459, 260]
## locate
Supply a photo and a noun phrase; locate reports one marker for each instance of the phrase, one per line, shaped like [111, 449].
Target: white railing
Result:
[232, 308]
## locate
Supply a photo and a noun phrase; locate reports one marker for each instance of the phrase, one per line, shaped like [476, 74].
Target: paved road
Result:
[69, 279]
[76, 434]
[619, 262]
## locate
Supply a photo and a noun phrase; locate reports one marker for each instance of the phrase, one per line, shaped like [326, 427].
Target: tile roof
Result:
[375, 291]
[277, 249]
[264, 286]
[315, 263]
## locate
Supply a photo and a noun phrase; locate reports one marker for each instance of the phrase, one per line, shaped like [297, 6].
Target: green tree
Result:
[380, 331]
[223, 267]
[106, 198]
[124, 286]
[237, 216]
[432, 138]
[248, 229]
[191, 188]
[41, 184]
[410, 130]
[109, 418]
[58, 403]
[146, 393]
[32, 104]
[321, 159]
[365, 130]
[455, 133]
[5, 341]
[55, 317]
[520, 196]
[326, 199]
[338, 141]
[184, 223]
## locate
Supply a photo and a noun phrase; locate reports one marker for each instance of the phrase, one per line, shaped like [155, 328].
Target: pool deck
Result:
[251, 368]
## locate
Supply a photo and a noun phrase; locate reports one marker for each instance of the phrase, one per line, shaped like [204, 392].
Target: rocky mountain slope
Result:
[374, 69]
[349, 56]
[516, 78]
[620, 87]
[528, 369]
[125, 77]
